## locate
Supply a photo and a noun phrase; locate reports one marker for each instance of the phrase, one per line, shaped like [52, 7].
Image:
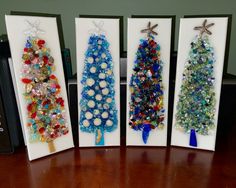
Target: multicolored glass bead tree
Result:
[196, 105]
[146, 110]
[45, 106]
[98, 112]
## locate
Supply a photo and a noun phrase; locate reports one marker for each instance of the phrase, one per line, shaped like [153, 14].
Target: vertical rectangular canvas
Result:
[40, 84]
[97, 50]
[148, 61]
[198, 81]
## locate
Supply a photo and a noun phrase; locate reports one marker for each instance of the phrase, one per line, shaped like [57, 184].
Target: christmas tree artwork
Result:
[98, 112]
[146, 110]
[42, 92]
[196, 104]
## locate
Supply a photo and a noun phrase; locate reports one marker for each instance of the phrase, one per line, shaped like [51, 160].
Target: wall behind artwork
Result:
[72, 8]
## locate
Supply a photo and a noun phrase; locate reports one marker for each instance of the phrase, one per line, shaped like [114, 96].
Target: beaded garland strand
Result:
[98, 112]
[146, 110]
[45, 106]
[196, 105]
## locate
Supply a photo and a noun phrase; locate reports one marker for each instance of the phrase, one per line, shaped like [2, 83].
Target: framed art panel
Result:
[198, 81]
[40, 84]
[148, 60]
[98, 78]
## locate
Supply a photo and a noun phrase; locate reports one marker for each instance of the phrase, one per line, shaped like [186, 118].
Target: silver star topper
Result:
[204, 28]
[33, 29]
[98, 28]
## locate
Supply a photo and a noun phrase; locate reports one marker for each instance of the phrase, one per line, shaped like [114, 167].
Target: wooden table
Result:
[133, 166]
[124, 167]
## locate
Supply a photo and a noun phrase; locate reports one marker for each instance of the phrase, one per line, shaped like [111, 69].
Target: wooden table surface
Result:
[136, 167]
[123, 167]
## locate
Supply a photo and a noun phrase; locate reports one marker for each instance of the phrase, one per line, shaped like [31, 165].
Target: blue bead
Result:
[145, 133]
[193, 138]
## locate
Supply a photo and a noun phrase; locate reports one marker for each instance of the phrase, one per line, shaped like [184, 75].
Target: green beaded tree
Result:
[196, 105]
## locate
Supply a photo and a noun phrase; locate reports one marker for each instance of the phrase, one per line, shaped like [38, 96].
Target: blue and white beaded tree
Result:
[98, 112]
[196, 105]
[146, 108]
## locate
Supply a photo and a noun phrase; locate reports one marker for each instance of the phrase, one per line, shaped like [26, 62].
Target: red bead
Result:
[60, 101]
[154, 58]
[65, 132]
[29, 107]
[41, 130]
[26, 80]
[156, 108]
[58, 86]
[153, 51]
[33, 115]
[53, 76]
[25, 49]
[27, 62]
[46, 102]
[53, 135]
[45, 59]
[57, 126]
[152, 43]
[41, 43]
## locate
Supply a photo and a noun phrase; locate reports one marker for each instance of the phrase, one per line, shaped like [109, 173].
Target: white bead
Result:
[102, 76]
[109, 72]
[97, 121]
[104, 115]
[109, 123]
[109, 100]
[86, 123]
[103, 65]
[91, 103]
[98, 97]
[103, 84]
[105, 91]
[90, 92]
[90, 60]
[93, 69]
[88, 115]
[106, 106]
[96, 112]
[90, 81]
[103, 55]
[97, 59]
[100, 42]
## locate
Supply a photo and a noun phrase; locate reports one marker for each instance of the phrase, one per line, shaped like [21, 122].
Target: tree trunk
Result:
[51, 146]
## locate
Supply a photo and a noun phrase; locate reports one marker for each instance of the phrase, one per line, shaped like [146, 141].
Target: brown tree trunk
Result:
[51, 146]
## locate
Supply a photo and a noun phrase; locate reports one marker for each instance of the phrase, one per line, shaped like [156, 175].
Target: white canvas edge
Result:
[83, 25]
[15, 28]
[157, 137]
[218, 41]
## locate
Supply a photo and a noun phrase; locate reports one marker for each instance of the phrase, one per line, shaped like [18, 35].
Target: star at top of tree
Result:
[150, 29]
[33, 29]
[204, 28]
[98, 29]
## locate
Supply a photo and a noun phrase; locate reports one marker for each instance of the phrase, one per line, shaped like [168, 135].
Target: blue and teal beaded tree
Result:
[98, 112]
[196, 105]
[146, 110]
